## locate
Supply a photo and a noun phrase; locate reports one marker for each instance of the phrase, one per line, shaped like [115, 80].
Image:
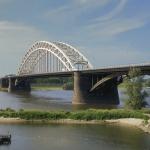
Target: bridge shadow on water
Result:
[53, 100]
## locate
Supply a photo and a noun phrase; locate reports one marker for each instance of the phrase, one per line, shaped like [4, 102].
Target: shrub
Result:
[90, 114]
[134, 86]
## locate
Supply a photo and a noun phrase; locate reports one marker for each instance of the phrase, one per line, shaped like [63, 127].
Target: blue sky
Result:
[107, 32]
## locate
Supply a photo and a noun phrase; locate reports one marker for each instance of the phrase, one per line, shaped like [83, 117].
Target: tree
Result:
[147, 83]
[134, 87]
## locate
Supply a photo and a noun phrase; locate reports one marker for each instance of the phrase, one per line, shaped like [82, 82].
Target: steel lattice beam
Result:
[52, 57]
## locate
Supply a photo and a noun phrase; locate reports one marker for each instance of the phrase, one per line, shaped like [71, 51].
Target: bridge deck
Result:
[145, 69]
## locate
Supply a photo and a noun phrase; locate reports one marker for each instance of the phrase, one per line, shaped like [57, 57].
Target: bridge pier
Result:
[108, 94]
[11, 86]
[19, 85]
[4, 83]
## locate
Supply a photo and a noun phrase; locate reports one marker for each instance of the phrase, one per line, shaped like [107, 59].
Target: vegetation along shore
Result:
[140, 118]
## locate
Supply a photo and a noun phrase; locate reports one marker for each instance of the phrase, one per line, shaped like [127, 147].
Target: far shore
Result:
[138, 123]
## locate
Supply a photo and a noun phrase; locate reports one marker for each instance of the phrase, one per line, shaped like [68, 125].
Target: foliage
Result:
[47, 80]
[68, 86]
[51, 83]
[147, 83]
[46, 87]
[90, 114]
[52, 80]
[146, 111]
[134, 87]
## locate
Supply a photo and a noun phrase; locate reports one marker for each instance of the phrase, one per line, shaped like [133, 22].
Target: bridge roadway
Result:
[90, 86]
[145, 69]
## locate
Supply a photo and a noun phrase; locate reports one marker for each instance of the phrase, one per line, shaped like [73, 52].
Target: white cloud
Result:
[115, 27]
[114, 55]
[115, 11]
[15, 38]
[107, 25]
[83, 1]
[57, 11]
[79, 7]
[6, 25]
[98, 29]
[91, 3]
[73, 9]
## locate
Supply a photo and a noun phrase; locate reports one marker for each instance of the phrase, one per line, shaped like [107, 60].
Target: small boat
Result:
[5, 139]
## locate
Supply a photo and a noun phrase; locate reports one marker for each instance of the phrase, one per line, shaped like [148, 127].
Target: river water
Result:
[66, 137]
[50, 100]
[75, 137]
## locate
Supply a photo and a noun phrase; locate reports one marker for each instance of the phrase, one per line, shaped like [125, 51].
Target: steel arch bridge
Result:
[46, 57]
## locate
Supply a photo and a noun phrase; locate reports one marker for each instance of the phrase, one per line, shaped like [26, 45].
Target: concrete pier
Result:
[107, 94]
[23, 85]
[4, 83]
[19, 85]
[11, 87]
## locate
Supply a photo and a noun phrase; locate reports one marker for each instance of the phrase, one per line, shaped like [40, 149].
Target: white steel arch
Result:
[76, 52]
[46, 56]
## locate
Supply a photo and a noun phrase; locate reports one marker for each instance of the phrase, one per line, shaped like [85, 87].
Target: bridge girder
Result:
[107, 78]
[65, 58]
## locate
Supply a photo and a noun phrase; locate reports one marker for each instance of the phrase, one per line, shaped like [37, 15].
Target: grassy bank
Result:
[46, 87]
[145, 111]
[4, 89]
[87, 115]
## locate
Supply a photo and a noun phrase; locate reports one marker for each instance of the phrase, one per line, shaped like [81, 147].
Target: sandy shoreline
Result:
[139, 123]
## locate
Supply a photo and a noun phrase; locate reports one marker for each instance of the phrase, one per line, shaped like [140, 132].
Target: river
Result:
[50, 100]
[75, 137]
[66, 137]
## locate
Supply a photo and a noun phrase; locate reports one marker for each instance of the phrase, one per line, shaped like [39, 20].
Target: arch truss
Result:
[44, 57]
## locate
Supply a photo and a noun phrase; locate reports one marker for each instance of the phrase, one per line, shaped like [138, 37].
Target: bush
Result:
[90, 114]
[146, 111]
[134, 86]
[68, 86]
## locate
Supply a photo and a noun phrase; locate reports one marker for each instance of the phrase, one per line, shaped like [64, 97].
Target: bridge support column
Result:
[11, 86]
[4, 83]
[19, 85]
[23, 85]
[104, 95]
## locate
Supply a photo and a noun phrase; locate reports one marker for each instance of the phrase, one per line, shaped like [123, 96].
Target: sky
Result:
[107, 32]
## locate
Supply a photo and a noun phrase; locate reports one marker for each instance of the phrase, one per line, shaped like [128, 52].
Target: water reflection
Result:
[53, 100]
[81, 137]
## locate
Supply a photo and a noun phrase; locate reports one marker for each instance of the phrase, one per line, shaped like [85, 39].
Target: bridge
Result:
[58, 59]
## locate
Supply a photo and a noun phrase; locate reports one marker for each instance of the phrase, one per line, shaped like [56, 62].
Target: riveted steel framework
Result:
[45, 57]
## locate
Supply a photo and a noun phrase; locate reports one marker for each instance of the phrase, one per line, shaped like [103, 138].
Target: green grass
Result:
[146, 111]
[46, 87]
[90, 114]
[4, 89]
[122, 85]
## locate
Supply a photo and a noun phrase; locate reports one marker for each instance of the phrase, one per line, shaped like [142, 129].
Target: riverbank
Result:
[39, 88]
[66, 86]
[138, 123]
[46, 87]
[4, 89]
[139, 119]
